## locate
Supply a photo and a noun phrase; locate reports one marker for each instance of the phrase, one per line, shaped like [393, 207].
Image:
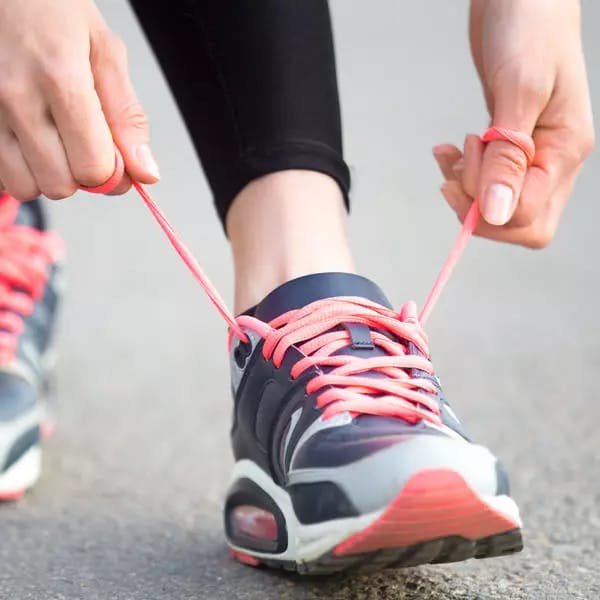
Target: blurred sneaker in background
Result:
[29, 292]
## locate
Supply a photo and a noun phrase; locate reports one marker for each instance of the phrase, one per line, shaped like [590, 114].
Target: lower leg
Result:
[285, 225]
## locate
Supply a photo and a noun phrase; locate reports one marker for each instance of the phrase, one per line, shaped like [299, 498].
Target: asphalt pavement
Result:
[129, 504]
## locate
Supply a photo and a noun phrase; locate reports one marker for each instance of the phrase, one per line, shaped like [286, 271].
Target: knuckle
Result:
[131, 115]
[533, 87]
[118, 47]
[14, 90]
[588, 142]
[136, 117]
[526, 212]
[59, 191]
[111, 46]
[24, 192]
[540, 237]
[63, 79]
[509, 159]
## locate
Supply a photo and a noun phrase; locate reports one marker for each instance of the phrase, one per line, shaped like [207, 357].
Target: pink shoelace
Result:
[25, 256]
[314, 330]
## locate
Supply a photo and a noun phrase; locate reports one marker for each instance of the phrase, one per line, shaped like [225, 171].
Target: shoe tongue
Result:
[310, 288]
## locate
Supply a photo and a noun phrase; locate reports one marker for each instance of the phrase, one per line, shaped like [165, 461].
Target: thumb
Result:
[124, 113]
[504, 164]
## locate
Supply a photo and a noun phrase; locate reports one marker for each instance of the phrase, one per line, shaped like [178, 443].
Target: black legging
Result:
[256, 84]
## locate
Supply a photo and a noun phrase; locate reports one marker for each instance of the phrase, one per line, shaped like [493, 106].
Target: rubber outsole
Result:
[24, 476]
[443, 550]
[436, 518]
[21, 476]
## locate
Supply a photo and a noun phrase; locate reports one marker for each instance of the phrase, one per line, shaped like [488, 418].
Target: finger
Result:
[124, 113]
[458, 169]
[504, 164]
[535, 235]
[446, 156]
[45, 155]
[460, 202]
[536, 192]
[503, 170]
[457, 199]
[17, 178]
[555, 166]
[473, 155]
[77, 114]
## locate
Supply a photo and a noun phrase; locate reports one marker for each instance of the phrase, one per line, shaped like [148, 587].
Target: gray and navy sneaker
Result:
[347, 454]
[29, 276]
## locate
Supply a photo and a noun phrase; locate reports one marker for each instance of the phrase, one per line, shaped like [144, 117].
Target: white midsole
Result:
[310, 542]
[23, 473]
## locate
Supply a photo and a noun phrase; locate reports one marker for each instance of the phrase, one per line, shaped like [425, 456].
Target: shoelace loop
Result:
[525, 143]
[348, 383]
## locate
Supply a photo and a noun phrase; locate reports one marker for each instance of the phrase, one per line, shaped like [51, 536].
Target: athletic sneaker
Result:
[29, 276]
[347, 454]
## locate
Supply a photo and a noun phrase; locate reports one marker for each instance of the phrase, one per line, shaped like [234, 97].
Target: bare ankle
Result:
[285, 225]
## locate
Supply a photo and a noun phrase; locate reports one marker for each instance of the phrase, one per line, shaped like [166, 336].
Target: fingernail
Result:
[144, 155]
[497, 204]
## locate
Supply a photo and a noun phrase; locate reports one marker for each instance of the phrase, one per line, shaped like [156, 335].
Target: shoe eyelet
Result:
[242, 353]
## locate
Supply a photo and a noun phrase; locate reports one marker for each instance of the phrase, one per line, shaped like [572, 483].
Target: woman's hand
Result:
[65, 95]
[530, 61]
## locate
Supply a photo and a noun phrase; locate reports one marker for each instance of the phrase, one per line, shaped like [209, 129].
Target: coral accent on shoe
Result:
[242, 557]
[435, 503]
[11, 496]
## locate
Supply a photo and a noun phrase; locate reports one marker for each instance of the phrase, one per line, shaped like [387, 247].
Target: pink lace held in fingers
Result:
[523, 141]
[184, 252]
[113, 181]
[276, 344]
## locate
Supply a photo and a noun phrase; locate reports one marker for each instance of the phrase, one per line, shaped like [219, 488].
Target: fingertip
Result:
[445, 150]
[148, 164]
[141, 165]
[451, 193]
[472, 139]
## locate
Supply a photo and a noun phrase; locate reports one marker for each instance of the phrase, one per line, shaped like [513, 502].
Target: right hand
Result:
[65, 101]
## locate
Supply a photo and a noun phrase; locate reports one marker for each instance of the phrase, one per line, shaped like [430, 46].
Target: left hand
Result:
[529, 57]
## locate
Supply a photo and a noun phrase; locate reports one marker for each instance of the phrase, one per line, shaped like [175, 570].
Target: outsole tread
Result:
[439, 551]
